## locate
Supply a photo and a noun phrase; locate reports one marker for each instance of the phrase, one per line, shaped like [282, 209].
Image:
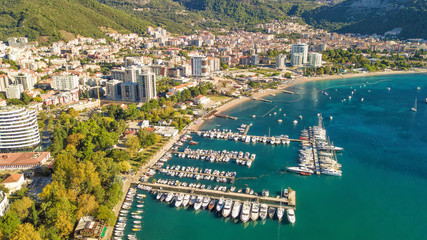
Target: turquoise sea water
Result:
[381, 195]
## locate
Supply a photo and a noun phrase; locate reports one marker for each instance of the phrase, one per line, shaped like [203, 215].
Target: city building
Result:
[4, 82]
[315, 59]
[14, 182]
[147, 86]
[281, 61]
[199, 66]
[4, 203]
[255, 59]
[300, 48]
[65, 82]
[19, 129]
[113, 90]
[23, 160]
[14, 91]
[129, 91]
[118, 74]
[297, 59]
[26, 80]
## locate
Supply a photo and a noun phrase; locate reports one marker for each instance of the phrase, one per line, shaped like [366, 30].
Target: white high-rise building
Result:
[129, 91]
[19, 129]
[281, 61]
[26, 80]
[300, 48]
[14, 91]
[113, 90]
[147, 85]
[297, 59]
[199, 66]
[65, 82]
[315, 59]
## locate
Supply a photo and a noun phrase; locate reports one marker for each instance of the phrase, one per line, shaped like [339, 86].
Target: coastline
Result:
[265, 92]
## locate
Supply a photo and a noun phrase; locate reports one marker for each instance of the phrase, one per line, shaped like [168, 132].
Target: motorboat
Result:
[179, 199]
[186, 200]
[245, 213]
[300, 170]
[205, 202]
[271, 212]
[279, 213]
[211, 204]
[220, 205]
[331, 172]
[198, 203]
[236, 209]
[169, 197]
[290, 214]
[263, 211]
[255, 211]
[227, 208]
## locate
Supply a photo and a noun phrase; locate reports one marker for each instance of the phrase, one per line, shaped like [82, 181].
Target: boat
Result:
[169, 197]
[227, 208]
[179, 199]
[236, 209]
[193, 143]
[279, 213]
[245, 214]
[255, 211]
[205, 202]
[192, 200]
[263, 211]
[280, 120]
[331, 172]
[254, 116]
[290, 214]
[136, 229]
[211, 204]
[198, 203]
[220, 205]
[186, 200]
[295, 121]
[414, 109]
[271, 212]
[300, 170]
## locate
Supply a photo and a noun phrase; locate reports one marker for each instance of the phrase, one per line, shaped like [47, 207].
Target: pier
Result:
[287, 91]
[231, 136]
[261, 99]
[225, 116]
[229, 178]
[247, 129]
[199, 154]
[288, 202]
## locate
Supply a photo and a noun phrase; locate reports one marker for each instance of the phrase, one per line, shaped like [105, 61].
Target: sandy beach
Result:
[265, 92]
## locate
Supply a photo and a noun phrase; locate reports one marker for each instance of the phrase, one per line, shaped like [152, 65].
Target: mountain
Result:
[59, 19]
[373, 16]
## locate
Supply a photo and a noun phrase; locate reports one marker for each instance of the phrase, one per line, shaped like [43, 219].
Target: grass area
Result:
[267, 72]
[146, 154]
[217, 98]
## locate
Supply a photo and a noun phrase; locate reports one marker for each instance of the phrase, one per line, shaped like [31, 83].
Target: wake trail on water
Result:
[350, 85]
[280, 172]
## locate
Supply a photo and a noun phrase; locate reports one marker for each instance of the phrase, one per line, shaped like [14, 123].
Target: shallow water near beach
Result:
[381, 195]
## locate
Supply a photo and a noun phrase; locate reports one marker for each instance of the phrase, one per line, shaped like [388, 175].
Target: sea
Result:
[381, 195]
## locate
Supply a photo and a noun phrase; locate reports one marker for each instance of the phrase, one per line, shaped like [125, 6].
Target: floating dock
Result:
[229, 178]
[287, 202]
[225, 116]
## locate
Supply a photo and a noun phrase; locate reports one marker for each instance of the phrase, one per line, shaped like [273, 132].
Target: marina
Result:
[241, 158]
[196, 173]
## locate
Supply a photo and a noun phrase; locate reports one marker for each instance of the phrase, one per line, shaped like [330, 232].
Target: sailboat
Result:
[414, 109]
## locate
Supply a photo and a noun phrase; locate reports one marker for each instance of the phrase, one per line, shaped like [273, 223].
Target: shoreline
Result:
[265, 92]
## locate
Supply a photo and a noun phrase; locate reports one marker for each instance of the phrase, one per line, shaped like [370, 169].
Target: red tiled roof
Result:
[12, 178]
[22, 159]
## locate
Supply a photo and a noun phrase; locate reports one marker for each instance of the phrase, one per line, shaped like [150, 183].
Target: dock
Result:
[287, 91]
[208, 155]
[261, 99]
[247, 129]
[225, 116]
[288, 202]
[230, 179]
[252, 136]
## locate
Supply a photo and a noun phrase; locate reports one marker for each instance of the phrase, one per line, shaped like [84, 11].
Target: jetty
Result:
[284, 202]
[201, 175]
[261, 99]
[225, 116]
[287, 91]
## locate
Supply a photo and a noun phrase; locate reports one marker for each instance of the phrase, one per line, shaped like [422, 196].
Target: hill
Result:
[373, 16]
[58, 19]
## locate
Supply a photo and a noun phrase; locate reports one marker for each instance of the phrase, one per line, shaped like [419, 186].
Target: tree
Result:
[132, 144]
[106, 214]
[26, 231]
[21, 207]
[124, 166]
[8, 223]
[86, 205]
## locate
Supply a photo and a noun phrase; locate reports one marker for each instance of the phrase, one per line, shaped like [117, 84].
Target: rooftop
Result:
[12, 178]
[22, 158]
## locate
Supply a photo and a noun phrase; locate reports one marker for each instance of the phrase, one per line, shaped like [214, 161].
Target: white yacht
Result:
[245, 214]
[186, 200]
[198, 203]
[205, 202]
[279, 213]
[255, 211]
[300, 170]
[169, 197]
[179, 199]
[227, 208]
[263, 211]
[220, 205]
[331, 172]
[290, 214]
[236, 209]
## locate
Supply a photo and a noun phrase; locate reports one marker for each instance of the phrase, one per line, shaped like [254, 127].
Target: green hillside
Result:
[35, 18]
[376, 16]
